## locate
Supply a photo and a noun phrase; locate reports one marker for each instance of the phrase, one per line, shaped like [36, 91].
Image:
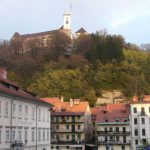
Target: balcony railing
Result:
[67, 131]
[114, 132]
[67, 121]
[67, 142]
[113, 142]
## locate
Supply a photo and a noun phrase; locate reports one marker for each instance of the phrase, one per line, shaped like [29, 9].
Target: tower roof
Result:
[81, 30]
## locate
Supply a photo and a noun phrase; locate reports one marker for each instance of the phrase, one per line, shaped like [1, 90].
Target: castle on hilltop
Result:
[44, 37]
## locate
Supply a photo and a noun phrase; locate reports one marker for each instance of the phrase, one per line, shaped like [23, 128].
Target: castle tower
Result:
[67, 21]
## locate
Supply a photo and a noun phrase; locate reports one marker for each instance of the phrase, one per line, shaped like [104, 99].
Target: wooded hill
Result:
[98, 62]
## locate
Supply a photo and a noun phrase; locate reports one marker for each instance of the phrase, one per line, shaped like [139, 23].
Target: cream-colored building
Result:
[140, 121]
[71, 125]
[24, 118]
[113, 127]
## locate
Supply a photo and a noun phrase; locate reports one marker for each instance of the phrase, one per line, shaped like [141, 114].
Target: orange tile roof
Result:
[144, 99]
[80, 107]
[51, 100]
[113, 111]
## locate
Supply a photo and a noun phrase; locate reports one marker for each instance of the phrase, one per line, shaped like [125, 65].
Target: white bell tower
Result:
[67, 21]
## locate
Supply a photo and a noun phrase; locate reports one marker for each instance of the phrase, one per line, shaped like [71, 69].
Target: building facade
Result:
[71, 125]
[113, 127]
[24, 118]
[41, 39]
[140, 122]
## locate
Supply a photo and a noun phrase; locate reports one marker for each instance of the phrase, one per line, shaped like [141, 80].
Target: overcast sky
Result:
[130, 18]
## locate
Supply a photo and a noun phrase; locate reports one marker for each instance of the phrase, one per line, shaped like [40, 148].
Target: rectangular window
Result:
[123, 147]
[33, 113]
[33, 135]
[143, 120]
[143, 132]
[136, 142]
[105, 130]
[43, 134]
[117, 138]
[67, 137]
[124, 139]
[142, 111]
[43, 115]
[135, 120]
[79, 136]
[79, 117]
[124, 129]
[67, 126]
[0, 135]
[57, 126]
[111, 138]
[39, 134]
[117, 129]
[135, 110]
[14, 110]
[26, 112]
[57, 119]
[6, 109]
[136, 132]
[48, 117]
[20, 135]
[47, 134]
[79, 127]
[13, 135]
[7, 135]
[0, 107]
[149, 109]
[20, 110]
[26, 135]
[110, 128]
[39, 115]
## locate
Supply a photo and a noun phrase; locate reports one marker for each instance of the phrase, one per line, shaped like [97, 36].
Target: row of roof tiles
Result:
[12, 89]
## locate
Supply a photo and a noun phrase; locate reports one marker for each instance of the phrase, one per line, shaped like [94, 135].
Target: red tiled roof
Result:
[11, 88]
[38, 34]
[65, 108]
[51, 100]
[113, 111]
[144, 99]
[95, 110]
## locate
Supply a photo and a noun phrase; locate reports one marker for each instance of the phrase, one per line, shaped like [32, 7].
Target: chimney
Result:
[62, 99]
[71, 102]
[135, 98]
[3, 72]
[76, 101]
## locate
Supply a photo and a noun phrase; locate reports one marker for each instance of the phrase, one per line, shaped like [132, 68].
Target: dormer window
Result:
[117, 119]
[106, 120]
[125, 119]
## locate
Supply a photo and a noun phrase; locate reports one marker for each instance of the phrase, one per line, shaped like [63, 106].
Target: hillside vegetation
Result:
[98, 62]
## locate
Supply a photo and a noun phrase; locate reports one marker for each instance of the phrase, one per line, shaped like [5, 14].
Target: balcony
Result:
[64, 121]
[113, 142]
[67, 142]
[67, 131]
[113, 132]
